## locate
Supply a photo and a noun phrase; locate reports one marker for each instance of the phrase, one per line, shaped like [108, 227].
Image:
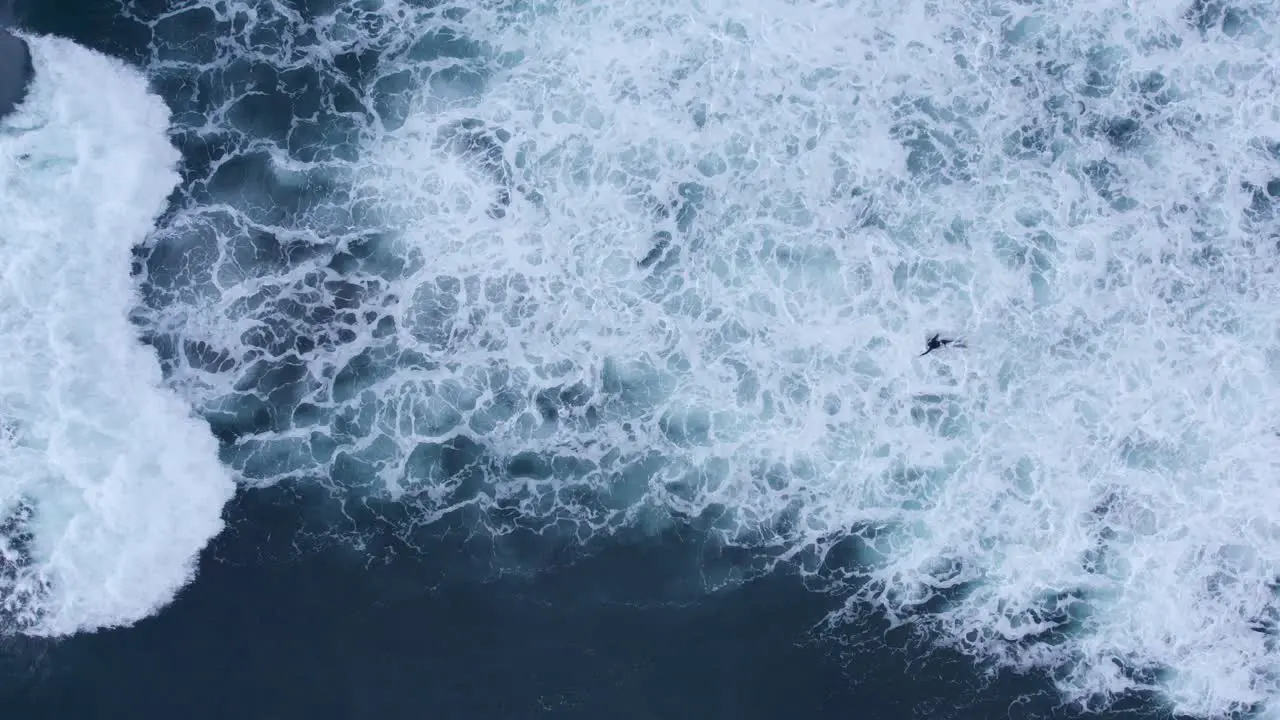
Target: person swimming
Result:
[662, 240]
[937, 341]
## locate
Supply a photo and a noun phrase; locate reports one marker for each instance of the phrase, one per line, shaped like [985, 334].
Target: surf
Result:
[435, 296]
[109, 487]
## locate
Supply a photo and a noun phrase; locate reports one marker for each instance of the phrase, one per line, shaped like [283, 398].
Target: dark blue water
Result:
[285, 624]
[623, 633]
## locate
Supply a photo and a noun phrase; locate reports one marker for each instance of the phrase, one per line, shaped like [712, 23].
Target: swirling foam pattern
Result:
[585, 266]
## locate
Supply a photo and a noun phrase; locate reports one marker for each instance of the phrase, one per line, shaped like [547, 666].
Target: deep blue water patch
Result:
[276, 627]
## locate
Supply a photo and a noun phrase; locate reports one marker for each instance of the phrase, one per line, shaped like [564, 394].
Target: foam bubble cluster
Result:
[108, 487]
[595, 266]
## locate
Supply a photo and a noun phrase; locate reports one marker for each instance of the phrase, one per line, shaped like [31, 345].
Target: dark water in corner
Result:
[330, 636]
[620, 634]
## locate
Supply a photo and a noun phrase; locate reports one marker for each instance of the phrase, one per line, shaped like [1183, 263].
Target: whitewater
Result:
[595, 268]
[109, 486]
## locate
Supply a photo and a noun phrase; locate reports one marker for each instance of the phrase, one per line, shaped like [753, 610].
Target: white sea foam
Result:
[1079, 188]
[108, 487]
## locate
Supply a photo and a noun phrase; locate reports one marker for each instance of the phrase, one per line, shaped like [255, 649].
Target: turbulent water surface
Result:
[594, 328]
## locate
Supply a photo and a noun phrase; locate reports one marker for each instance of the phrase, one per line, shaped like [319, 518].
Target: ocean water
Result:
[562, 359]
